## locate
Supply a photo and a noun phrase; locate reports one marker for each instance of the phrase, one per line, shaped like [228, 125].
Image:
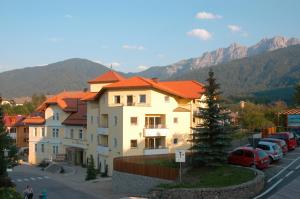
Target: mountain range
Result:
[270, 64]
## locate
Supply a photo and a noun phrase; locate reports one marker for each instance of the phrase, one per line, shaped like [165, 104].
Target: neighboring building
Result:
[292, 117]
[139, 116]
[60, 130]
[17, 130]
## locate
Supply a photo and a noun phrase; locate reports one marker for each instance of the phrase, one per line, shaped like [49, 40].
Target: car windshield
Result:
[275, 147]
[262, 154]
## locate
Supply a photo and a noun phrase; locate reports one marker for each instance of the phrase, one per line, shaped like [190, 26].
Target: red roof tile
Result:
[78, 118]
[184, 89]
[66, 100]
[108, 77]
[90, 96]
[13, 121]
[294, 111]
[35, 120]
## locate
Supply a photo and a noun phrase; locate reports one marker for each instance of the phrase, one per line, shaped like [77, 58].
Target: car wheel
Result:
[270, 159]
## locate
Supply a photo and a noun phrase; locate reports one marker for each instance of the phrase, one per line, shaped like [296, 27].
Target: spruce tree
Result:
[211, 138]
[4, 144]
[91, 171]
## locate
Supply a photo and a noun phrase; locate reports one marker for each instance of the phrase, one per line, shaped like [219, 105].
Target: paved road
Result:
[280, 174]
[55, 189]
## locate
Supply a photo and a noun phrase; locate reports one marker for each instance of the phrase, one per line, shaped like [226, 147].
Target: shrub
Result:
[9, 193]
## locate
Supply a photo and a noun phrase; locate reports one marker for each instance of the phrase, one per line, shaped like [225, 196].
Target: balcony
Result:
[156, 151]
[102, 130]
[13, 135]
[102, 149]
[156, 130]
[75, 143]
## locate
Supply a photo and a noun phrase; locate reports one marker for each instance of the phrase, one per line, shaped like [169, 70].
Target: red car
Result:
[280, 143]
[288, 137]
[249, 157]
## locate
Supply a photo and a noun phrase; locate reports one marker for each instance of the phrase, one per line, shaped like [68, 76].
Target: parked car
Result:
[288, 137]
[297, 136]
[272, 149]
[280, 142]
[249, 157]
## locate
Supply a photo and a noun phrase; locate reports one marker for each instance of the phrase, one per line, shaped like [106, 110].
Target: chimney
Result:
[155, 79]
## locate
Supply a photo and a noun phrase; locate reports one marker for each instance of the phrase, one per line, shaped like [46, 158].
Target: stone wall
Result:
[242, 191]
[134, 184]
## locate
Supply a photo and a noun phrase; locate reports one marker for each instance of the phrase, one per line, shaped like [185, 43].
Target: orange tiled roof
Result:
[295, 111]
[66, 100]
[185, 89]
[90, 96]
[35, 120]
[13, 120]
[78, 118]
[108, 77]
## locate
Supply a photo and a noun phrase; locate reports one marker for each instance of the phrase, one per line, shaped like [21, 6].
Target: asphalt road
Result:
[281, 173]
[54, 189]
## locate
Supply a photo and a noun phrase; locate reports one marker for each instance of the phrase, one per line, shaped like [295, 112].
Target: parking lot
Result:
[275, 167]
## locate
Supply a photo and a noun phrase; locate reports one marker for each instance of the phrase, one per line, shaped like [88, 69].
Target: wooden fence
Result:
[141, 165]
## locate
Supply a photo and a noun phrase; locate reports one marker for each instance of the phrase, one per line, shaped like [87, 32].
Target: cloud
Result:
[234, 28]
[142, 67]
[68, 16]
[207, 15]
[200, 33]
[237, 29]
[133, 47]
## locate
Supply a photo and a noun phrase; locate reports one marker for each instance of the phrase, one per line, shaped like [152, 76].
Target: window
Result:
[53, 116]
[238, 152]
[103, 140]
[175, 141]
[35, 147]
[55, 149]
[115, 120]
[72, 133]
[80, 134]
[57, 130]
[43, 132]
[142, 99]
[167, 99]
[117, 99]
[249, 154]
[115, 142]
[42, 148]
[57, 116]
[55, 133]
[92, 137]
[133, 120]
[92, 119]
[175, 120]
[35, 132]
[133, 143]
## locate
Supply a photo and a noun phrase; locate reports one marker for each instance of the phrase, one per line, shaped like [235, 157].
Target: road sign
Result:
[180, 155]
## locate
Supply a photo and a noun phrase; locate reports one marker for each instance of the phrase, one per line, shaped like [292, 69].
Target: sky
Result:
[132, 35]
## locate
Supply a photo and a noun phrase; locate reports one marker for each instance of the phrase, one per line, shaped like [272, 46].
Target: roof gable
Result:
[108, 77]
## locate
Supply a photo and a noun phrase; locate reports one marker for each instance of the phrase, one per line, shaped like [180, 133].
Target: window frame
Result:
[135, 143]
[117, 99]
[132, 123]
[142, 96]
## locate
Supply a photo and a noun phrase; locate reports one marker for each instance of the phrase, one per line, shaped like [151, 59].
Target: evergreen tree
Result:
[91, 171]
[4, 144]
[211, 137]
[297, 95]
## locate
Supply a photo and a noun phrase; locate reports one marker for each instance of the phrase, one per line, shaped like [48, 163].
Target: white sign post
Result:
[180, 157]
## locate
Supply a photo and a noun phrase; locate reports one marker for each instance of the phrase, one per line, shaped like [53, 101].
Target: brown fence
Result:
[143, 165]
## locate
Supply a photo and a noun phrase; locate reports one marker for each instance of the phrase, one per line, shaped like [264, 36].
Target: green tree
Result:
[212, 137]
[297, 95]
[91, 171]
[37, 100]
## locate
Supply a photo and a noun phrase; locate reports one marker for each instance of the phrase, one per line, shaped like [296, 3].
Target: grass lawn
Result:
[222, 176]
[163, 163]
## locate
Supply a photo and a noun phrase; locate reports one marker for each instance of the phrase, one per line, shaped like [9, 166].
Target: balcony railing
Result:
[102, 149]
[155, 126]
[102, 130]
[152, 132]
[82, 143]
